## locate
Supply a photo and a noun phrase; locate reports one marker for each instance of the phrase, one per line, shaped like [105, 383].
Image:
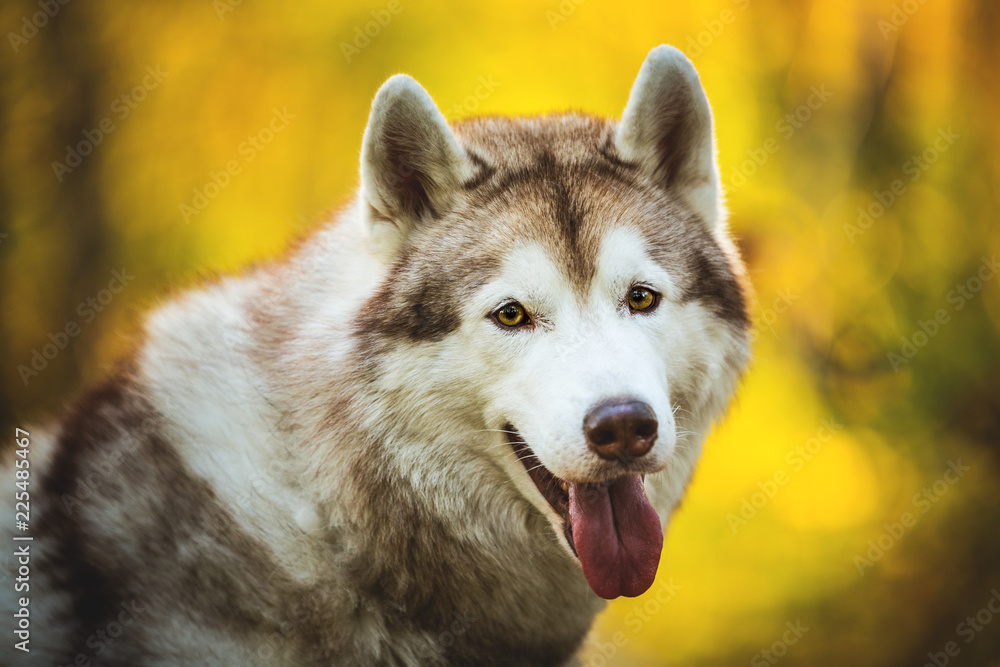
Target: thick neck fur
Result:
[305, 465]
[345, 487]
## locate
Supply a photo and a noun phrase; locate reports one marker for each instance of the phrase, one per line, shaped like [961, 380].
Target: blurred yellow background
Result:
[847, 512]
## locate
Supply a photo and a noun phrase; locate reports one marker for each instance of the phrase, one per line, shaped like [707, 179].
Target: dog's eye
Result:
[641, 299]
[511, 315]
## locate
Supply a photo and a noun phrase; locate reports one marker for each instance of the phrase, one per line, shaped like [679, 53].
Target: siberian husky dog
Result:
[441, 432]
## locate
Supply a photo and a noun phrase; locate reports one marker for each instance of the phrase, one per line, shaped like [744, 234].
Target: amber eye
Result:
[641, 299]
[511, 315]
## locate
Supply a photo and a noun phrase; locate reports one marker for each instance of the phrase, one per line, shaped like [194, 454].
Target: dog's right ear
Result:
[667, 129]
[411, 164]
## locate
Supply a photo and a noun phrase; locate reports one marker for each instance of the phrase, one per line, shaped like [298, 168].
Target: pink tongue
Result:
[617, 536]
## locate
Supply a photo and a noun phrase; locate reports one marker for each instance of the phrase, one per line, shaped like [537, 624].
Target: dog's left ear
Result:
[667, 128]
[411, 163]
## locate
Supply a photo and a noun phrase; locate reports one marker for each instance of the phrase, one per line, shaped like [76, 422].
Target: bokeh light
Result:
[858, 142]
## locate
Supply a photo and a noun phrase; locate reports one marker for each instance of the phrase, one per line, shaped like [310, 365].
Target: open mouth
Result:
[553, 489]
[610, 526]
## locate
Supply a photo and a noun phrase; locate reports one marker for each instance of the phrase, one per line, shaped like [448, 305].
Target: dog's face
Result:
[566, 283]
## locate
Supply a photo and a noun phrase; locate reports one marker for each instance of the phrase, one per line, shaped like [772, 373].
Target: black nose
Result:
[620, 429]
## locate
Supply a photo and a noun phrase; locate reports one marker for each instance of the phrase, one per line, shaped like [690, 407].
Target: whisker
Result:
[497, 445]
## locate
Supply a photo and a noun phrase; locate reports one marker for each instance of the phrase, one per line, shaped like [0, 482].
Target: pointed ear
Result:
[411, 164]
[667, 128]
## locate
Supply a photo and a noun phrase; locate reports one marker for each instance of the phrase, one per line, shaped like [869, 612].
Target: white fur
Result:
[254, 426]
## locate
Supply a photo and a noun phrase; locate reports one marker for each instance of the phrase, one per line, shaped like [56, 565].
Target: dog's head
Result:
[567, 283]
